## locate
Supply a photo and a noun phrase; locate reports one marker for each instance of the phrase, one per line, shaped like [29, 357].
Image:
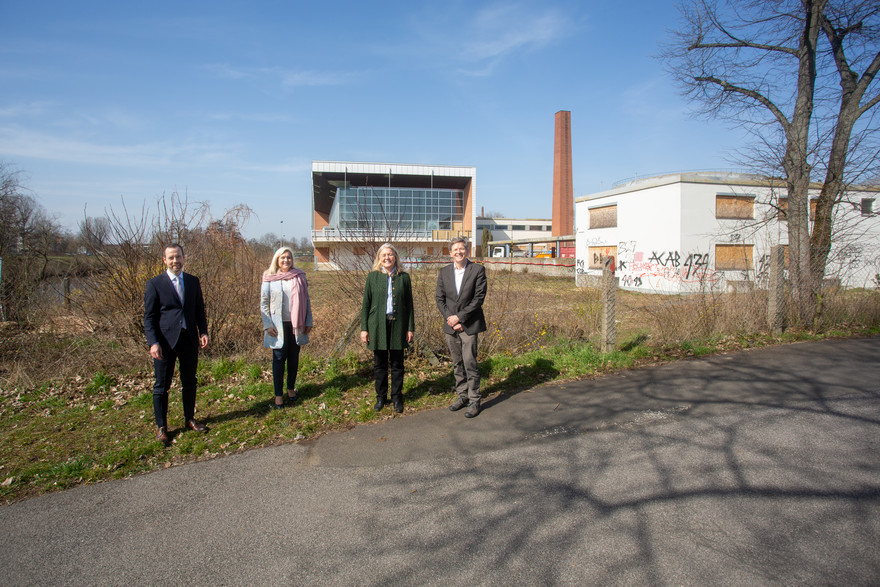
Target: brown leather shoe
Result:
[162, 436]
[196, 426]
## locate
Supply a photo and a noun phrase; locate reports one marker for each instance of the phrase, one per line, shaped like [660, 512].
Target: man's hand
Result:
[156, 351]
[204, 339]
[452, 321]
[410, 335]
[458, 327]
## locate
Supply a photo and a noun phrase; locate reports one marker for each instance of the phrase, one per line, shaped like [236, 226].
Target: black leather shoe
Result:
[196, 426]
[380, 403]
[162, 436]
[398, 406]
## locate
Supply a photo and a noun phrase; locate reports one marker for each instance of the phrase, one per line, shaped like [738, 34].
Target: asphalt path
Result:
[750, 468]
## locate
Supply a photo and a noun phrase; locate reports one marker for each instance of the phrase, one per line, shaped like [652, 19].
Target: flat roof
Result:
[328, 176]
[355, 167]
[705, 177]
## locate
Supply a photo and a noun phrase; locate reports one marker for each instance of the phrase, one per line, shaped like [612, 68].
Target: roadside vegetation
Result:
[75, 392]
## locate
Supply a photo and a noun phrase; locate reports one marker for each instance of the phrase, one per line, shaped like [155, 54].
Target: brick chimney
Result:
[563, 193]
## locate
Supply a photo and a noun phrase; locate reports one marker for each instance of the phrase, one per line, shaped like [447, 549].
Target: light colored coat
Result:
[271, 298]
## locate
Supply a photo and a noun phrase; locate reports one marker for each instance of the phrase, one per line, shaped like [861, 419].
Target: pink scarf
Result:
[299, 294]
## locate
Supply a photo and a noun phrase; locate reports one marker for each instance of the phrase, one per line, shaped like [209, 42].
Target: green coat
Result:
[373, 310]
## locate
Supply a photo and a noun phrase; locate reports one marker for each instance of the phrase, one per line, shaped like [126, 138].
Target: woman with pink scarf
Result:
[287, 319]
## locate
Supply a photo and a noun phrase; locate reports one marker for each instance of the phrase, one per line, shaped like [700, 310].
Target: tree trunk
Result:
[852, 91]
[797, 168]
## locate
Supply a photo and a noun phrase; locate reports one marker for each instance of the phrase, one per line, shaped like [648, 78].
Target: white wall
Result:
[667, 231]
[647, 237]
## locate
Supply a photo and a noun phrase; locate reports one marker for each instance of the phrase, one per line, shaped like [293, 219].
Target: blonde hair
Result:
[273, 266]
[377, 264]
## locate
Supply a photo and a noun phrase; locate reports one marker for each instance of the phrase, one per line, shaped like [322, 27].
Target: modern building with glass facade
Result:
[358, 206]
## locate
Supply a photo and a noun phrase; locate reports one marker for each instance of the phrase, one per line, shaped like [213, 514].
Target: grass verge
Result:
[68, 433]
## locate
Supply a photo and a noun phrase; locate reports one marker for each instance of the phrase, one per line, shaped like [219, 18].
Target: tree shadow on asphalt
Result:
[761, 490]
[521, 378]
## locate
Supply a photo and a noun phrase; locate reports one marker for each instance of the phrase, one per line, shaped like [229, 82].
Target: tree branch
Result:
[756, 96]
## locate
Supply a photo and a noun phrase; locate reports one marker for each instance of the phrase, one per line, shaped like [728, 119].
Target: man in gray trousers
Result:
[461, 289]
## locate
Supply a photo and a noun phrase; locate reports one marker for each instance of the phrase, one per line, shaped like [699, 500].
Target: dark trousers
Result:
[187, 354]
[381, 362]
[382, 359]
[289, 354]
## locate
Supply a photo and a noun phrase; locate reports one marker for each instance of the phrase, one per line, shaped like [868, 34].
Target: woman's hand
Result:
[365, 337]
[410, 335]
[272, 331]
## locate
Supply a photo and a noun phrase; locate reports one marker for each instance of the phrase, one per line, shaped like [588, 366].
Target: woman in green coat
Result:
[387, 323]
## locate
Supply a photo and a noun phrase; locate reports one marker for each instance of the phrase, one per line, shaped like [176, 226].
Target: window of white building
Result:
[733, 207]
[603, 217]
[734, 257]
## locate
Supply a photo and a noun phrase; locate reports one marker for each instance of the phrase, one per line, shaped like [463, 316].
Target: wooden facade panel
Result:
[734, 257]
[598, 255]
[735, 207]
[604, 217]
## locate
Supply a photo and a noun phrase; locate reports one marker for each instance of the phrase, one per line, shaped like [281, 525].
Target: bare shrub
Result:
[112, 299]
[676, 318]
[843, 309]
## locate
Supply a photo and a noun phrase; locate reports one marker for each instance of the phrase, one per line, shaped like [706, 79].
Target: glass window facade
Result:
[397, 210]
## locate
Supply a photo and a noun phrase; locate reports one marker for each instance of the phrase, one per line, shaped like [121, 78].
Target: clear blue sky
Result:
[230, 102]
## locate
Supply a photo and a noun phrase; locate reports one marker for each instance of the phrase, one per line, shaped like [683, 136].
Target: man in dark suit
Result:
[461, 289]
[176, 327]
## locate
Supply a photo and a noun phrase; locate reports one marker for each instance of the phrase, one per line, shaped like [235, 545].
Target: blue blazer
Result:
[164, 314]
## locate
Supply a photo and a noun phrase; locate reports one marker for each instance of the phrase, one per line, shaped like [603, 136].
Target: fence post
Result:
[776, 294]
[609, 294]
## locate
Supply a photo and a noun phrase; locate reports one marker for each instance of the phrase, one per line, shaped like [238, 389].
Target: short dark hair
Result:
[172, 246]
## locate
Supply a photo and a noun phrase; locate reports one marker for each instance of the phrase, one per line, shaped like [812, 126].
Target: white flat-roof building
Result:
[690, 232]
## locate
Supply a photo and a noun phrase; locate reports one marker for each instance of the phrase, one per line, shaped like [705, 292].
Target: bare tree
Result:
[799, 75]
[28, 237]
[94, 233]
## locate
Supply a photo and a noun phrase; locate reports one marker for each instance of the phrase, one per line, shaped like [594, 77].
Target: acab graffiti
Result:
[661, 269]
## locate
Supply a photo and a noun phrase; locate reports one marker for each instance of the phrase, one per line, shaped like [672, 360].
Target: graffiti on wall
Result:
[663, 269]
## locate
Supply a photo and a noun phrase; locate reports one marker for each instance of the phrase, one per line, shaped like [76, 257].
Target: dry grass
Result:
[75, 401]
[524, 312]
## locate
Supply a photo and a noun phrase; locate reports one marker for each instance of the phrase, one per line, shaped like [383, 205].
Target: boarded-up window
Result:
[783, 209]
[734, 207]
[733, 257]
[604, 217]
[598, 255]
[322, 254]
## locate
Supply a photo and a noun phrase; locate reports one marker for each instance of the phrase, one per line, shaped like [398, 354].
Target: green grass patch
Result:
[53, 437]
